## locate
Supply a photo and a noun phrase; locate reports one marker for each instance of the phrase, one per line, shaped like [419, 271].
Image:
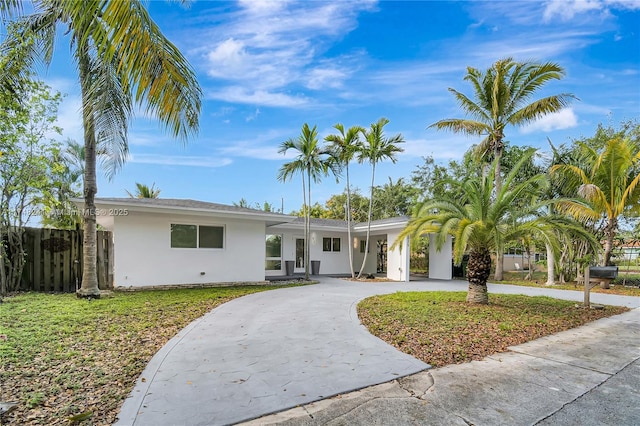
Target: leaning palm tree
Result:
[502, 98]
[312, 161]
[145, 191]
[344, 145]
[123, 59]
[481, 220]
[608, 179]
[375, 148]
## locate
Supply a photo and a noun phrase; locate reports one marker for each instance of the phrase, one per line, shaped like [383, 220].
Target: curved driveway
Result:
[274, 350]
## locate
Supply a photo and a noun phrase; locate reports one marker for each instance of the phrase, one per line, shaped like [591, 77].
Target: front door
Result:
[299, 254]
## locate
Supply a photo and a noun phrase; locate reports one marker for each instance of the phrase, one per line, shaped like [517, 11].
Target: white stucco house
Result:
[174, 241]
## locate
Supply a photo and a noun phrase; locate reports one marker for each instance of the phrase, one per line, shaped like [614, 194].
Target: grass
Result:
[440, 328]
[539, 278]
[61, 356]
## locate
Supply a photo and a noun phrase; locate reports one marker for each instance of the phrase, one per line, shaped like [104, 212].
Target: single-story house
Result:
[174, 241]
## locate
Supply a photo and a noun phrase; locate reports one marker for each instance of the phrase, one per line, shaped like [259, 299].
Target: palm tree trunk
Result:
[610, 233]
[349, 224]
[89, 287]
[307, 230]
[478, 271]
[498, 275]
[304, 210]
[551, 263]
[366, 247]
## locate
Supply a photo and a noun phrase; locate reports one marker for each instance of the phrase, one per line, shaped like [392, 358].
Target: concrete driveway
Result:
[271, 351]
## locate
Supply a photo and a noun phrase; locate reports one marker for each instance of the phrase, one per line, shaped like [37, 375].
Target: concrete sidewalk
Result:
[271, 351]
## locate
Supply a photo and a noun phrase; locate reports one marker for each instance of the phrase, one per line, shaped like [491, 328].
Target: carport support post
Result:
[587, 287]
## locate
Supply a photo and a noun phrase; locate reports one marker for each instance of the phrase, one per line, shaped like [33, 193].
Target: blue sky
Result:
[267, 67]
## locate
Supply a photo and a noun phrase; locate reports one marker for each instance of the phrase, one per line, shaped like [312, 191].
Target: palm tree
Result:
[502, 95]
[145, 191]
[344, 146]
[313, 161]
[482, 220]
[608, 179]
[375, 148]
[122, 59]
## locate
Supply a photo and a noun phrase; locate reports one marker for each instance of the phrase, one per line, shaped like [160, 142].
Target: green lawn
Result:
[440, 328]
[61, 356]
[539, 278]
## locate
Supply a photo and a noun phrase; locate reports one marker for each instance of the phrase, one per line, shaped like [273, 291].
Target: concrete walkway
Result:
[271, 351]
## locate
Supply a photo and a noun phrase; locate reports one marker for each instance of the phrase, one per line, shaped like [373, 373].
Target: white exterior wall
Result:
[398, 259]
[440, 260]
[144, 256]
[372, 257]
[330, 262]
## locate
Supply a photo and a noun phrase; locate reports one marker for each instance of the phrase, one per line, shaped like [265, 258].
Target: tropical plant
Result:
[344, 146]
[145, 191]
[375, 148]
[28, 170]
[122, 59]
[393, 199]
[313, 162]
[482, 219]
[502, 97]
[607, 175]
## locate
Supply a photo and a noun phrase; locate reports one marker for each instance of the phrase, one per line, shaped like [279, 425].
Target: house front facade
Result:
[174, 242]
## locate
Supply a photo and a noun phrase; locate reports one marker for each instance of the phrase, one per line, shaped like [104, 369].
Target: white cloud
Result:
[237, 94]
[256, 152]
[563, 119]
[176, 160]
[443, 148]
[567, 10]
[229, 56]
[267, 46]
[253, 116]
[321, 78]
[262, 147]
[70, 119]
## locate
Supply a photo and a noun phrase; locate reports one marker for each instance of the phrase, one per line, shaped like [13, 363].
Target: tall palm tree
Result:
[375, 148]
[482, 219]
[313, 161]
[122, 59]
[608, 179]
[502, 97]
[145, 191]
[344, 145]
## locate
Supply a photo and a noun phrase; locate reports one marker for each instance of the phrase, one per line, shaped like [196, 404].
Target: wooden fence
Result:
[54, 260]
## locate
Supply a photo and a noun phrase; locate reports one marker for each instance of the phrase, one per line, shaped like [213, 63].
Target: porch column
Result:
[398, 259]
[440, 260]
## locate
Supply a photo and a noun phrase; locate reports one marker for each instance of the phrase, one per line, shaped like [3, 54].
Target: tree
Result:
[393, 199]
[266, 206]
[28, 170]
[375, 148]
[606, 175]
[59, 211]
[482, 219]
[344, 146]
[122, 59]
[313, 162]
[502, 98]
[336, 207]
[145, 191]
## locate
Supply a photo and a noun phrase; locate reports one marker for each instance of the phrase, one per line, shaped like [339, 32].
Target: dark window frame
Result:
[331, 244]
[198, 242]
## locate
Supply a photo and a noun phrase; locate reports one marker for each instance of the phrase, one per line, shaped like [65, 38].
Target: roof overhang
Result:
[135, 205]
